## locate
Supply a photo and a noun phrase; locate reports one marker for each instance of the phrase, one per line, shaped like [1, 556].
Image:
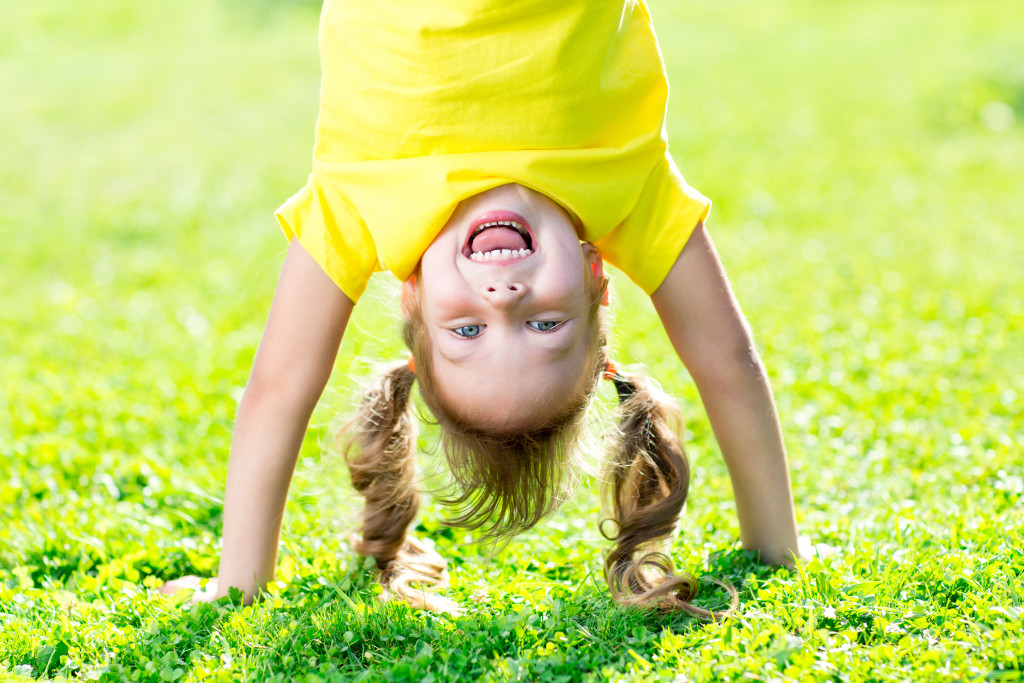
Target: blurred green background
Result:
[866, 160]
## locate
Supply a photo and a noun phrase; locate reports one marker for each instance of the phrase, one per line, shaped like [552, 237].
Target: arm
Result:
[712, 338]
[292, 365]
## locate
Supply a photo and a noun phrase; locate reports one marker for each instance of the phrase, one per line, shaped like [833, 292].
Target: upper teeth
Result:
[508, 224]
[500, 254]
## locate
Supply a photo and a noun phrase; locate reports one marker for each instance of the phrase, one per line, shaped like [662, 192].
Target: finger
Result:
[174, 585]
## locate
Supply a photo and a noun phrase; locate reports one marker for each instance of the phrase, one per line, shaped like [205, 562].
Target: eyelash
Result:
[555, 324]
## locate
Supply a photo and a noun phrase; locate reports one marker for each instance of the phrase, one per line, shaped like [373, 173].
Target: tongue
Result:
[498, 238]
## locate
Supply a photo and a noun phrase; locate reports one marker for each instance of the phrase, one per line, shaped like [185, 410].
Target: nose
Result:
[503, 294]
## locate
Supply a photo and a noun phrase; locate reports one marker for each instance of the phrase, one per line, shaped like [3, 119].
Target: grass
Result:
[866, 163]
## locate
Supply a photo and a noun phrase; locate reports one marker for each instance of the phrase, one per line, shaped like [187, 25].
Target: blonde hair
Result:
[506, 482]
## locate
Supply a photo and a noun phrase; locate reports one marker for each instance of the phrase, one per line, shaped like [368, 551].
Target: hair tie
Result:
[611, 370]
[412, 365]
[623, 386]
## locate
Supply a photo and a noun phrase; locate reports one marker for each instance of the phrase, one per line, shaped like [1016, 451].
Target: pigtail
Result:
[647, 485]
[380, 449]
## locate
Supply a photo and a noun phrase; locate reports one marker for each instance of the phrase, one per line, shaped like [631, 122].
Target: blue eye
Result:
[468, 331]
[544, 325]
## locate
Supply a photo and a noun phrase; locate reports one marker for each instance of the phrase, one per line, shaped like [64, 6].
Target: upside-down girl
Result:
[493, 155]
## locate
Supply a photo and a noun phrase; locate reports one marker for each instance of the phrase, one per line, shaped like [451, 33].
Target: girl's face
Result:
[509, 330]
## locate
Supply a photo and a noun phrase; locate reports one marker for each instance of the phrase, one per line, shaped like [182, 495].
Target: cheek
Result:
[439, 276]
[568, 284]
[442, 299]
[436, 276]
[430, 263]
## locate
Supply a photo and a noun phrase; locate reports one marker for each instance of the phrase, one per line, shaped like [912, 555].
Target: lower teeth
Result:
[500, 254]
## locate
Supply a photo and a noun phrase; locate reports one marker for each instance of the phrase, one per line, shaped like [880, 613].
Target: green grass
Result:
[866, 160]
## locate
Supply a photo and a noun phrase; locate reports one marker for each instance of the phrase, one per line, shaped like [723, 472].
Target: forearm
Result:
[264, 450]
[741, 409]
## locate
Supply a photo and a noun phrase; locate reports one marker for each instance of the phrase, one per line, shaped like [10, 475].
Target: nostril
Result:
[491, 289]
[513, 288]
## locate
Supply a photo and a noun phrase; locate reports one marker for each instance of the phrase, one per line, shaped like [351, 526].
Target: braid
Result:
[647, 485]
[381, 457]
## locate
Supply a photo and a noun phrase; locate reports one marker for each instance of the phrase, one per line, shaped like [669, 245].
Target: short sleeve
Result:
[331, 230]
[646, 245]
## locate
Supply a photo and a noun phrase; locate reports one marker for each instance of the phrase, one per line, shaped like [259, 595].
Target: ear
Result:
[408, 296]
[596, 263]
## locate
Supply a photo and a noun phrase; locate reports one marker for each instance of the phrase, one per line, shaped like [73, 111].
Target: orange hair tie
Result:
[611, 370]
[412, 365]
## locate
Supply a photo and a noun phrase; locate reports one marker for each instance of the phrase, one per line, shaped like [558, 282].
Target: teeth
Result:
[506, 224]
[500, 255]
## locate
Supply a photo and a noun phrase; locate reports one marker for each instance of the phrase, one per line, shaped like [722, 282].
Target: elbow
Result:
[731, 363]
[283, 390]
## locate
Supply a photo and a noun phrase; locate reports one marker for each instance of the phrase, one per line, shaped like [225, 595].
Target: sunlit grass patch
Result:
[865, 163]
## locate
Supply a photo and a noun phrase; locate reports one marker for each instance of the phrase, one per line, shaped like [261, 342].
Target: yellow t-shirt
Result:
[424, 104]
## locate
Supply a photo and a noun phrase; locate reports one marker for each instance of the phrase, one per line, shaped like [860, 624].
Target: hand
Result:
[810, 551]
[806, 552]
[192, 583]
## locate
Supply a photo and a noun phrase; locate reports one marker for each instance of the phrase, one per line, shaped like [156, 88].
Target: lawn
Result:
[866, 160]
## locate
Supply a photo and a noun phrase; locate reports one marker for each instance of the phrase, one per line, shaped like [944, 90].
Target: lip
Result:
[491, 216]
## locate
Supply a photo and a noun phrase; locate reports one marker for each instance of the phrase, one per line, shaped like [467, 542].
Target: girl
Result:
[491, 154]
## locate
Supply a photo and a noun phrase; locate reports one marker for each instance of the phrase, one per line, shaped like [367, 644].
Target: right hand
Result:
[192, 583]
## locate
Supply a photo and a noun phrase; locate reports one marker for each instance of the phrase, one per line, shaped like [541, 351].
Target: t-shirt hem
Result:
[318, 244]
[688, 216]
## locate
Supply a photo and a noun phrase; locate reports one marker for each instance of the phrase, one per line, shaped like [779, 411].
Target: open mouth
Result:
[499, 236]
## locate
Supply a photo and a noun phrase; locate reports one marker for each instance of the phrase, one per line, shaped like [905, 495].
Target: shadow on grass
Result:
[334, 627]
